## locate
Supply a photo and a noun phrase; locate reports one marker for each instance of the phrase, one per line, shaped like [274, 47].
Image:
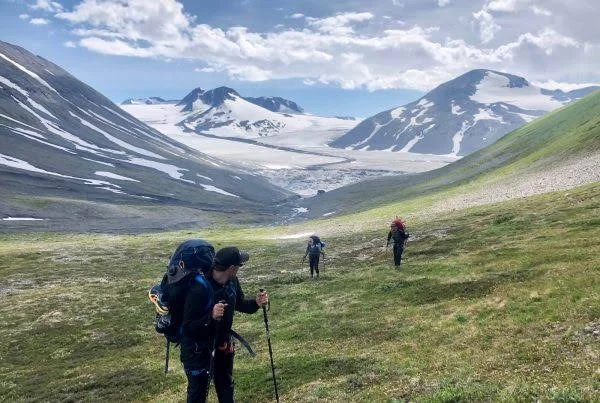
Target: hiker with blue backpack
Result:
[314, 250]
[207, 320]
[195, 305]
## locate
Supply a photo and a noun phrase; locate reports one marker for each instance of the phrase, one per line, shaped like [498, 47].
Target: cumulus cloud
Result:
[541, 11]
[70, 44]
[297, 15]
[47, 5]
[24, 16]
[344, 49]
[554, 85]
[39, 21]
[487, 25]
[442, 3]
[339, 24]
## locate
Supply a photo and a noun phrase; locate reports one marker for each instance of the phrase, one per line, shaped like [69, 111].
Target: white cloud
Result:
[39, 21]
[487, 25]
[24, 16]
[205, 70]
[541, 11]
[504, 5]
[340, 23]
[442, 3]
[345, 49]
[397, 3]
[70, 44]
[47, 5]
[485, 17]
[297, 15]
[553, 85]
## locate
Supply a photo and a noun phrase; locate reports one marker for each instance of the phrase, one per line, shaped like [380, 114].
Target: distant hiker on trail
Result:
[399, 234]
[314, 250]
[206, 326]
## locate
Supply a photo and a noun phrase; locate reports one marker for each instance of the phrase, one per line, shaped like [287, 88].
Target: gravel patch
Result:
[568, 175]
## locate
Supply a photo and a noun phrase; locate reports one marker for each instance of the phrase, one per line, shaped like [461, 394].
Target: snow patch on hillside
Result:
[211, 188]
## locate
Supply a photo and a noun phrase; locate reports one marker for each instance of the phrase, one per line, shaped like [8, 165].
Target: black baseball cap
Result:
[231, 256]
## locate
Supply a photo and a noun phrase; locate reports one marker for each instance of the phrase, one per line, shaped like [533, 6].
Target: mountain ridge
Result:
[62, 139]
[458, 117]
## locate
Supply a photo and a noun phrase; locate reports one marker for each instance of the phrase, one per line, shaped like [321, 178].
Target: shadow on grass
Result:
[427, 291]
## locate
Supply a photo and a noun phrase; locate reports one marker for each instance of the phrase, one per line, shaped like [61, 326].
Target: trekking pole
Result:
[211, 362]
[167, 357]
[270, 348]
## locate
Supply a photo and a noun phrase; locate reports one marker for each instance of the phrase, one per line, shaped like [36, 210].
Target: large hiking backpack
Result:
[317, 241]
[399, 224]
[191, 260]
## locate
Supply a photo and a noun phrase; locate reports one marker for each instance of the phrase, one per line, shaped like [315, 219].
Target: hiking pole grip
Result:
[266, 317]
[221, 302]
[268, 302]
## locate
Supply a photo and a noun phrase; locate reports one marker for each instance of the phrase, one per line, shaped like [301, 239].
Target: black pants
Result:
[197, 368]
[398, 249]
[314, 264]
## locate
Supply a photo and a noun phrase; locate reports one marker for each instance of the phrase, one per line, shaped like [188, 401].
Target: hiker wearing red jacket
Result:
[399, 234]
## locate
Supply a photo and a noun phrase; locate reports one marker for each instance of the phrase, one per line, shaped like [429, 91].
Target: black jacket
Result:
[399, 236]
[198, 324]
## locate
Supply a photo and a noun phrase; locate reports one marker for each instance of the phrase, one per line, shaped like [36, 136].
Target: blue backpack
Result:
[317, 241]
[190, 261]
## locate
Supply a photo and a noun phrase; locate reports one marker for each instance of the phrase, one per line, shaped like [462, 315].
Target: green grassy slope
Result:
[564, 134]
[493, 303]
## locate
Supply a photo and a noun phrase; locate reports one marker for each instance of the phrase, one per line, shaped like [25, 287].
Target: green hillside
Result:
[493, 303]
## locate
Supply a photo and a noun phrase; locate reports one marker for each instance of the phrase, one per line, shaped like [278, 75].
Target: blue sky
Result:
[351, 57]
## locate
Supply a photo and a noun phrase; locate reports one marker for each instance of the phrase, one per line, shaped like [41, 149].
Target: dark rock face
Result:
[276, 104]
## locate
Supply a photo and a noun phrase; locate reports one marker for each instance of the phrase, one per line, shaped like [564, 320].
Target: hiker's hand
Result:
[262, 298]
[218, 311]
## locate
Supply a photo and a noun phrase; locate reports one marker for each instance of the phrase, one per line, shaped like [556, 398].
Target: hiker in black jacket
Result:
[207, 319]
[313, 251]
[399, 234]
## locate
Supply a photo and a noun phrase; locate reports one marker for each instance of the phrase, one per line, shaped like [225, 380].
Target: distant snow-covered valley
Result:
[298, 160]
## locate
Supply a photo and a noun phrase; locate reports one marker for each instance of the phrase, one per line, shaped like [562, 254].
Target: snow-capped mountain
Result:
[147, 101]
[224, 112]
[61, 138]
[458, 117]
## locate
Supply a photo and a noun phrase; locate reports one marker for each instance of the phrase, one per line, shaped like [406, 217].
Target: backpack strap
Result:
[245, 343]
[200, 278]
